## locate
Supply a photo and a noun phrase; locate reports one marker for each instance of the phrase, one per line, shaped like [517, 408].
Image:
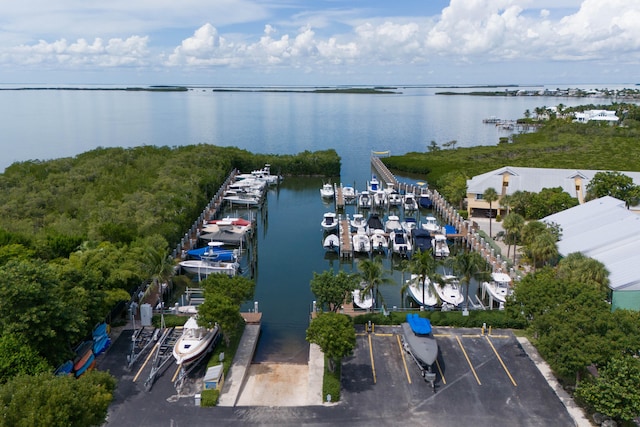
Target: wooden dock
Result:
[384, 174]
[339, 197]
[346, 250]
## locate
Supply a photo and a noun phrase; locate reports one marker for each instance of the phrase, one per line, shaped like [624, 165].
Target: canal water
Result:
[289, 250]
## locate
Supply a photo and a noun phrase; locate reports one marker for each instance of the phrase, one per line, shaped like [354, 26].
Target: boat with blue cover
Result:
[419, 342]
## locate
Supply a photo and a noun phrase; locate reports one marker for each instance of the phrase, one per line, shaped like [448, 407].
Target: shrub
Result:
[331, 382]
[209, 397]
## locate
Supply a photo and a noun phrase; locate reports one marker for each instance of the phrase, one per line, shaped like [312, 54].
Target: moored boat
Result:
[440, 246]
[424, 199]
[331, 243]
[204, 267]
[361, 242]
[410, 204]
[499, 288]
[421, 239]
[327, 191]
[365, 200]
[392, 224]
[449, 291]
[349, 194]
[400, 243]
[329, 222]
[358, 221]
[430, 224]
[363, 298]
[421, 291]
[379, 242]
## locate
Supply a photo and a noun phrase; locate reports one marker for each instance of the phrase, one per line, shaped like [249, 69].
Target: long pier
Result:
[467, 230]
[346, 249]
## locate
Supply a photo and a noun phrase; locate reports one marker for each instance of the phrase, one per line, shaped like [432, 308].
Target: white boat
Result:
[374, 223]
[392, 224]
[349, 194]
[439, 246]
[265, 175]
[231, 231]
[365, 201]
[422, 293]
[430, 224]
[243, 198]
[194, 342]
[327, 191]
[400, 243]
[358, 221]
[361, 298]
[395, 198]
[449, 292]
[204, 267]
[331, 243]
[409, 203]
[380, 199]
[379, 241]
[329, 221]
[361, 242]
[408, 225]
[499, 288]
[374, 185]
[419, 342]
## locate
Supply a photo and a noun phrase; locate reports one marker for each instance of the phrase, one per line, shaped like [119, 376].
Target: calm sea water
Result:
[48, 124]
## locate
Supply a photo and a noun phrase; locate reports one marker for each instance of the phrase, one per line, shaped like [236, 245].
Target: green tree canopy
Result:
[614, 184]
[332, 290]
[490, 195]
[45, 400]
[615, 391]
[334, 334]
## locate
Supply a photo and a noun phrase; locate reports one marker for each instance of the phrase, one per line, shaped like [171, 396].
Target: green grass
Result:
[331, 382]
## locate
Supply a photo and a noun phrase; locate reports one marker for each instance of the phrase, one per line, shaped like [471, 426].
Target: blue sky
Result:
[315, 42]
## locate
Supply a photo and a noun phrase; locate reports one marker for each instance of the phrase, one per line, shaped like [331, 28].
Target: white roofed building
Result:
[605, 230]
[509, 179]
[597, 116]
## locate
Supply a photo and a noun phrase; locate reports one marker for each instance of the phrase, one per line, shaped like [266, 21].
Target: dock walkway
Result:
[346, 249]
[240, 368]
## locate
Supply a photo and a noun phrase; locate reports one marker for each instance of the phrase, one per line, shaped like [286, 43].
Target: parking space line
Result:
[441, 374]
[404, 360]
[502, 363]
[373, 366]
[468, 361]
[151, 353]
[175, 374]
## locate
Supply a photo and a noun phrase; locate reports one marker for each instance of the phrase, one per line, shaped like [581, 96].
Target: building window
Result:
[479, 196]
[505, 183]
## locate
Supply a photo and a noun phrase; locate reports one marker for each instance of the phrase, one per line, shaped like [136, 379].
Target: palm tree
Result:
[467, 265]
[424, 265]
[372, 272]
[490, 195]
[544, 248]
[159, 263]
[513, 224]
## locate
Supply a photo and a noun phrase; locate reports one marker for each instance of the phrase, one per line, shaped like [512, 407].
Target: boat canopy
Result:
[419, 325]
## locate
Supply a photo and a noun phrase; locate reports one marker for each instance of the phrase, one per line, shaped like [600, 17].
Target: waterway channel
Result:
[289, 250]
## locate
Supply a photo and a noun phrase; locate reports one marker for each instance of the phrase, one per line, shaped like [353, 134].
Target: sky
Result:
[320, 42]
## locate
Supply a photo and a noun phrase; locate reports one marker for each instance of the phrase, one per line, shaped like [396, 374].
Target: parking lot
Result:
[482, 380]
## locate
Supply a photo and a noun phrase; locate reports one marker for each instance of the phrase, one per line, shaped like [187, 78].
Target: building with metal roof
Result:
[605, 230]
[509, 179]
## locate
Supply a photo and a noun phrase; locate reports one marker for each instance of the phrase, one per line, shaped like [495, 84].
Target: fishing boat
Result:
[449, 291]
[349, 194]
[214, 251]
[365, 200]
[419, 342]
[409, 224]
[430, 224]
[231, 231]
[263, 174]
[361, 298]
[400, 243]
[421, 240]
[249, 199]
[374, 185]
[380, 199]
[422, 291]
[393, 196]
[329, 222]
[204, 267]
[440, 246]
[327, 191]
[410, 204]
[331, 243]
[424, 199]
[358, 221]
[374, 223]
[498, 288]
[194, 342]
[361, 242]
[379, 242]
[392, 224]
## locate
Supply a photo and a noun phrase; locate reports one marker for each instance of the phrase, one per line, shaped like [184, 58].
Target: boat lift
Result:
[426, 372]
[163, 354]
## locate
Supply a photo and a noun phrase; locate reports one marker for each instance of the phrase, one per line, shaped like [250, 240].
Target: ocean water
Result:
[46, 124]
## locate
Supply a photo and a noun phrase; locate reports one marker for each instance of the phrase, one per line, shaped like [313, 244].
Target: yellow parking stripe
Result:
[373, 366]
[175, 374]
[468, 361]
[404, 360]
[502, 363]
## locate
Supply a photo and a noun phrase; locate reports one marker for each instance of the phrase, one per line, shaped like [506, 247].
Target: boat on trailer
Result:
[194, 342]
[419, 342]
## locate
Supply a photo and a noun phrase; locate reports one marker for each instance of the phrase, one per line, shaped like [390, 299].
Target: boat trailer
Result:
[163, 354]
[426, 372]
